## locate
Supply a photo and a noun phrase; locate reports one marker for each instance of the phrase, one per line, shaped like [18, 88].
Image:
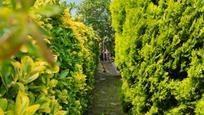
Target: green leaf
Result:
[3, 104]
[62, 113]
[6, 71]
[3, 90]
[44, 104]
[26, 4]
[26, 65]
[64, 73]
[22, 102]
[13, 4]
[10, 112]
[32, 109]
[1, 3]
[49, 11]
[32, 78]
[53, 83]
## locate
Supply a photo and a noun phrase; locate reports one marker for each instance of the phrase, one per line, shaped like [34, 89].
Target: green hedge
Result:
[77, 49]
[160, 53]
[29, 85]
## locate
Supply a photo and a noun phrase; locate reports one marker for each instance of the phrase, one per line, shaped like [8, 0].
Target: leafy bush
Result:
[160, 53]
[77, 49]
[28, 84]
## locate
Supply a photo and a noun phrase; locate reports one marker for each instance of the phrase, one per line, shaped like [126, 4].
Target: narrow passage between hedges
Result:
[106, 95]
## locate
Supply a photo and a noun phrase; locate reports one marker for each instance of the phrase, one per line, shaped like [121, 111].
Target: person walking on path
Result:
[106, 56]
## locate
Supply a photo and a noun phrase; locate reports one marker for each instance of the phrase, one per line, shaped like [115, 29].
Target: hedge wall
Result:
[78, 58]
[29, 85]
[160, 53]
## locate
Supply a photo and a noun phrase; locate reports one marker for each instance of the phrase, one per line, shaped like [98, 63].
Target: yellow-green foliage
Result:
[160, 53]
[77, 49]
[28, 84]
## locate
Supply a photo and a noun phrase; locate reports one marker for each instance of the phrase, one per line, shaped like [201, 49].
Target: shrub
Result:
[77, 49]
[28, 84]
[159, 51]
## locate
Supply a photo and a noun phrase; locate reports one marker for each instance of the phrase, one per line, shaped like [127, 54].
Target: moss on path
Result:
[106, 95]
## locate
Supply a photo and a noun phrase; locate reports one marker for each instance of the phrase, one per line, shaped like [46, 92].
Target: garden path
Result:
[106, 95]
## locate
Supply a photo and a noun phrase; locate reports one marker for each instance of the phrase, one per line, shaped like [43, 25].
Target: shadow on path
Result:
[106, 95]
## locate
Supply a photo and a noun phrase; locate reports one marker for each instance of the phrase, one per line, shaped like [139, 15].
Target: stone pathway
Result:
[106, 95]
[110, 68]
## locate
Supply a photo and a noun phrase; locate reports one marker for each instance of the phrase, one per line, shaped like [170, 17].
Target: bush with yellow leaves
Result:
[34, 80]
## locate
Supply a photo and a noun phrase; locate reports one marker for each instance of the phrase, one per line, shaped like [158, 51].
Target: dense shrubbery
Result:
[160, 53]
[28, 84]
[77, 57]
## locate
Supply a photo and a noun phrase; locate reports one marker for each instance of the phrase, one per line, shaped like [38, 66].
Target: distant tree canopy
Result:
[97, 14]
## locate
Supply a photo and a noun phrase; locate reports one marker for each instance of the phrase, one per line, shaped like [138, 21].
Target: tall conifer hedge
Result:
[29, 85]
[160, 53]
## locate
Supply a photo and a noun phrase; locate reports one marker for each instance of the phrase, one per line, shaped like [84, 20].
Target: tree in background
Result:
[96, 14]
